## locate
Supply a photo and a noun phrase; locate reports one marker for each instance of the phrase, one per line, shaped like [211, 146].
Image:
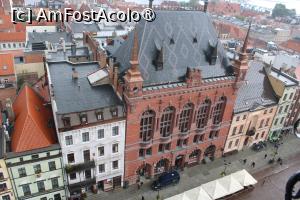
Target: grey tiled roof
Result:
[80, 27]
[60, 55]
[52, 37]
[111, 49]
[182, 26]
[70, 97]
[256, 90]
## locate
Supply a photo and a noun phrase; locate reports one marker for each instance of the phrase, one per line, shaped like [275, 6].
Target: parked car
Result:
[166, 179]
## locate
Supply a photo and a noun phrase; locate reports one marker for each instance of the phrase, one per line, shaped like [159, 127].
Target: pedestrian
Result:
[264, 181]
[245, 160]
[139, 185]
[266, 155]
[253, 164]
[143, 198]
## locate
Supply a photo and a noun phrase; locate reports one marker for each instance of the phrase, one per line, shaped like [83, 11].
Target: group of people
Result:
[279, 160]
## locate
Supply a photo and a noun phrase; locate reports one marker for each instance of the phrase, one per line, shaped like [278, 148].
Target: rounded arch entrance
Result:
[209, 153]
[161, 166]
[144, 171]
[194, 156]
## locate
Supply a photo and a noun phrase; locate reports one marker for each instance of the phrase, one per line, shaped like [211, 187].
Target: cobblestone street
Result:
[197, 175]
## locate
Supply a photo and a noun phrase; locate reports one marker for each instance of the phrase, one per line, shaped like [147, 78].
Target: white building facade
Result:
[90, 123]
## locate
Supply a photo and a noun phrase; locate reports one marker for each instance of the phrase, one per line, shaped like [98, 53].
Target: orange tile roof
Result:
[6, 60]
[31, 129]
[5, 23]
[13, 37]
[292, 44]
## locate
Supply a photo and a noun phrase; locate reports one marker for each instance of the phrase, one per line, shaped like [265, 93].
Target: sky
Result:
[263, 3]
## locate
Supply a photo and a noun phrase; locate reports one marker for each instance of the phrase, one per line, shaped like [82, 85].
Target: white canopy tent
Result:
[219, 188]
[230, 184]
[197, 193]
[244, 178]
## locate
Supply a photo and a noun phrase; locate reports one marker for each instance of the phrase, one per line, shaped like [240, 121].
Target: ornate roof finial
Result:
[244, 48]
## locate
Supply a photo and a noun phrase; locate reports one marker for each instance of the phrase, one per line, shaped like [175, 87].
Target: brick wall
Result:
[158, 101]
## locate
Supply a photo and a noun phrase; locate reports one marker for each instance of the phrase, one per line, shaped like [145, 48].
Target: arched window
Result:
[218, 110]
[203, 114]
[166, 121]
[185, 117]
[147, 125]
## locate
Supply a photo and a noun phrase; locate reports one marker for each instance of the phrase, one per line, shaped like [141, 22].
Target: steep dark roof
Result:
[182, 27]
[256, 90]
[70, 97]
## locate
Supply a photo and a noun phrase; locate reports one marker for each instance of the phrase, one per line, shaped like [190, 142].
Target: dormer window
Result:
[195, 40]
[172, 41]
[83, 118]
[114, 112]
[99, 115]
[66, 121]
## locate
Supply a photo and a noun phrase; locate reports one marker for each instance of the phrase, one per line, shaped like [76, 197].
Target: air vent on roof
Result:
[195, 40]
[172, 41]
[158, 59]
[211, 53]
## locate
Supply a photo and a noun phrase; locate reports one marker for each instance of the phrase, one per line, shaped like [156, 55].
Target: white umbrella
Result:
[231, 184]
[197, 193]
[244, 178]
[215, 189]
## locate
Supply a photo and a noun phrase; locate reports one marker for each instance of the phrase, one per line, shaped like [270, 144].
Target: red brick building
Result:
[179, 89]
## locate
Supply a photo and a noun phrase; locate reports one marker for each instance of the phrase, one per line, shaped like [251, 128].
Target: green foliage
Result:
[281, 11]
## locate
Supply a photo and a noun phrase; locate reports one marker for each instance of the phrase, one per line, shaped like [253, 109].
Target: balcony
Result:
[199, 131]
[216, 126]
[165, 139]
[80, 167]
[184, 135]
[146, 143]
[251, 132]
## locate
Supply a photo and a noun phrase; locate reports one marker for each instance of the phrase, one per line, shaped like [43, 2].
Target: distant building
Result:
[37, 41]
[285, 87]
[12, 40]
[254, 110]
[6, 190]
[56, 4]
[34, 163]
[90, 122]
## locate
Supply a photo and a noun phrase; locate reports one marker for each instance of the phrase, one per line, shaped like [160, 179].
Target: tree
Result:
[194, 3]
[281, 11]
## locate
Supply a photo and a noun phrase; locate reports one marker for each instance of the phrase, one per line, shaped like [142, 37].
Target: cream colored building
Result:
[254, 110]
[6, 192]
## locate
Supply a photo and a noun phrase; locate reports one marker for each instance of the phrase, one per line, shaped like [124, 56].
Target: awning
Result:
[215, 189]
[218, 188]
[244, 178]
[197, 194]
[230, 184]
